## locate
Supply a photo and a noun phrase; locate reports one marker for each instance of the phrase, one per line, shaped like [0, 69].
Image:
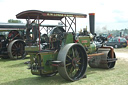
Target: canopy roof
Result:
[47, 15]
[43, 25]
[11, 26]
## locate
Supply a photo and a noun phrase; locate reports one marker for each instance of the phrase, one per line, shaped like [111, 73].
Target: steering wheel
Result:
[57, 32]
[44, 38]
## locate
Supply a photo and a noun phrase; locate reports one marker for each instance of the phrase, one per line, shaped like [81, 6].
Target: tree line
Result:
[14, 21]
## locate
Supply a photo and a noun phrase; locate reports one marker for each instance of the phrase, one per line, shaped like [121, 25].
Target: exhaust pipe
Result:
[92, 22]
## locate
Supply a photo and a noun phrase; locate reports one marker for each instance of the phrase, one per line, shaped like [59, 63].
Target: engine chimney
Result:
[92, 22]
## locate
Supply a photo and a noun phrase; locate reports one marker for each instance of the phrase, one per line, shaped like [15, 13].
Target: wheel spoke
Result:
[21, 45]
[15, 45]
[70, 72]
[21, 52]
[79, 63]
[69, 57]
[74, 73]
[73, 52]
[13, 53]
[76, 70]
[18, 44]
[76, 53]
[68, 64]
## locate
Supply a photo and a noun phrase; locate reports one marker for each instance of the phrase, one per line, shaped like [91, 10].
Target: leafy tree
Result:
[14, 21]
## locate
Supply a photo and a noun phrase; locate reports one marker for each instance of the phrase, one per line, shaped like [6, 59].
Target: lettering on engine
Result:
[84, 41]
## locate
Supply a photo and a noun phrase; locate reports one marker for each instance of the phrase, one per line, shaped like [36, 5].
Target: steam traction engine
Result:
[61, 50]
[12, 43]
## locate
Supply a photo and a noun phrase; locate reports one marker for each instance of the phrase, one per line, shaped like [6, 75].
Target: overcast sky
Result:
[109, 14]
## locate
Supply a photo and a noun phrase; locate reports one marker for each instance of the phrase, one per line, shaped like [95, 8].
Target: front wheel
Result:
[74, 61]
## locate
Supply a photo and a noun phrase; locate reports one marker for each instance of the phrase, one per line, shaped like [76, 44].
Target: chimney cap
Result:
[91, 13]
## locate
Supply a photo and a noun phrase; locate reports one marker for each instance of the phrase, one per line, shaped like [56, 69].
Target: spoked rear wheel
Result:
[74, 60]
[16, 49]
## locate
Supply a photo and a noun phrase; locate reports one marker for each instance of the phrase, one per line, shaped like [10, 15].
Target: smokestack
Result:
[92, 22]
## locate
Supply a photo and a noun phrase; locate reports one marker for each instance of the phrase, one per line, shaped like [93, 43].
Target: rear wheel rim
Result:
[75, 63]
[16, 50]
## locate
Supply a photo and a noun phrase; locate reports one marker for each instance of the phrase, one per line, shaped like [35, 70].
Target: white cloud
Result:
[107, 12]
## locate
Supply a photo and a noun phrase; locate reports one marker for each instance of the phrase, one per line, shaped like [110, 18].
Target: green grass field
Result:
[15, 72]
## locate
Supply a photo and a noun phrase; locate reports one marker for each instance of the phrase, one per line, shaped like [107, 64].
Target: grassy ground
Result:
[15, 72]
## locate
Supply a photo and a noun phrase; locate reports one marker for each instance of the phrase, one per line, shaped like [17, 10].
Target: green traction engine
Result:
[62, 50]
